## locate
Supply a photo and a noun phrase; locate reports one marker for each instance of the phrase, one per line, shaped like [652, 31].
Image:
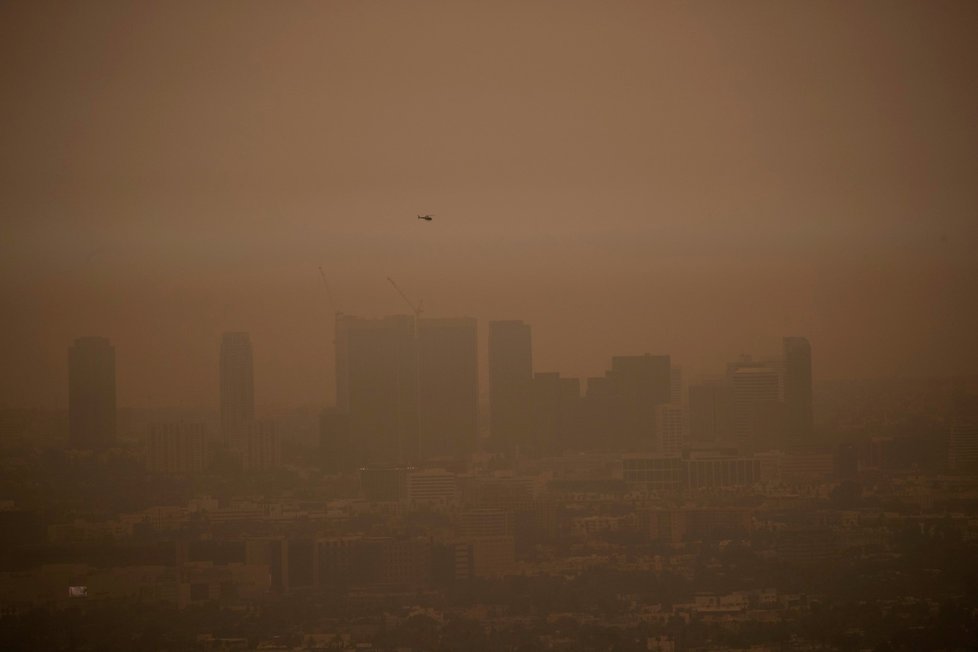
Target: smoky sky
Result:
[691, 178]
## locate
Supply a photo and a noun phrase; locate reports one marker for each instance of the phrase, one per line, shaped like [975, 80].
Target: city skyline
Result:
[646, 172]
[236, 375]
[407, 392]
[776, 351]
[320, 375]
[645, 326]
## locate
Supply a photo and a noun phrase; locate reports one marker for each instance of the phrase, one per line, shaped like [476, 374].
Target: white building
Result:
[432, 487]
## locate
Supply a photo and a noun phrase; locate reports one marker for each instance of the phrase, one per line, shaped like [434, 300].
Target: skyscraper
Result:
[676, 386]
[449, 389]
[641, 382]
[553, 403]
[263, 448]
[798, 386]
[510, 372]
[377, 384]
[237, 387]
[91, 394]
[757, 410]
[670, 428]
[709, 411]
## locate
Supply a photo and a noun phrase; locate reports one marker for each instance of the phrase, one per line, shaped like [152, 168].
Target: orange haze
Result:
[696, 179]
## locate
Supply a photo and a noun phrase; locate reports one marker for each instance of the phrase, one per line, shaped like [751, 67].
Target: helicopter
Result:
[427, 217]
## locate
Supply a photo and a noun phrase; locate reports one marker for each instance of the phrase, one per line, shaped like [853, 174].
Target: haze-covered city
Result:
[489, 326]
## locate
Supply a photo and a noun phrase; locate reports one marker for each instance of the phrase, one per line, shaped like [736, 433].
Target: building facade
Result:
[449, 387]
[510, 372]
[378, 383]
[757, 410]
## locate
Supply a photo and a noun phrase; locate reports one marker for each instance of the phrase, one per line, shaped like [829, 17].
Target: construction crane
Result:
[329, 293]
[416, 309]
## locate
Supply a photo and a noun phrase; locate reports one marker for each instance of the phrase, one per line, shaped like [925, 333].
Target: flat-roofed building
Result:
[510, 372]
[449, 387]
[377, 382]
[432, 487]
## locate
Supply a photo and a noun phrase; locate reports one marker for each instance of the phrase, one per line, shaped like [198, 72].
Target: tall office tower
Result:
[641, 382]
[601, 417]
[91, 394]
[676, 386]
[553, 405]
[510, 372]
[670, 428]
[379, 387]
[758, 413]
[237, 388]
[176, 448]
[798, 387]
[709, 411]
[449, 389]
[263, 448]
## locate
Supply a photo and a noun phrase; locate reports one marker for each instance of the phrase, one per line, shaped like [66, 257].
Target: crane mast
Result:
[416, 309]
[329, 293]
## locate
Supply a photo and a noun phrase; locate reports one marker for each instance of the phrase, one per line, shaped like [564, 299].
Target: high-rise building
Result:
[676, 386]
[757, 410]
[449, 387]
[641, 382]
[91, 394]
[670, 428]
[709, 411]
[237, 388]
[176, 448]
[510, 372]
[798, 387]
[603, 417]
[379, 386]
[553, 407]
[263, 448]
